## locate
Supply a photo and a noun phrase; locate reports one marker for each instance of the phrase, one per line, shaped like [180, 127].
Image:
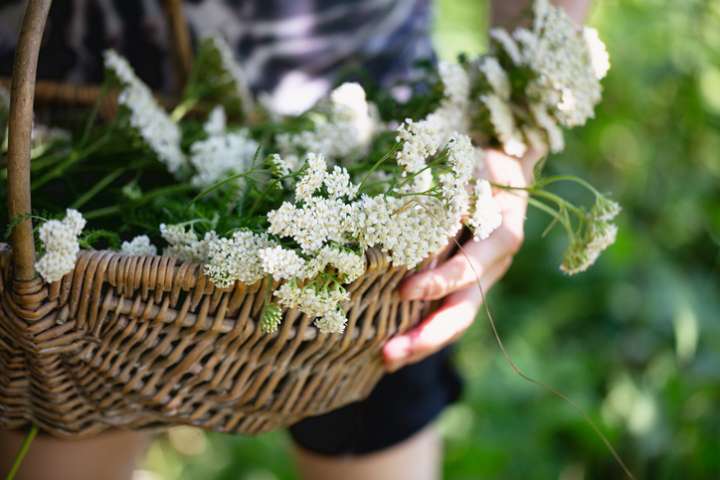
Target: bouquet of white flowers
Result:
[250, 194]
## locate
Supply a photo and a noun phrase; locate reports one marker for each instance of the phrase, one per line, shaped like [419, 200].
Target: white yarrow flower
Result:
[216, 122]
[332, 322]
[279, 166]
[350, 105]
[508, 45]
[151, 122]
[281, 263]
[339, 185]
[349, 265]
[567, 75]
[309, 300]
[599, 58]
[583, 253]
[236, 258]
[60, 242]
[343, 126]
[220, 156]
[605, 209]
[139, 245]
[74, 220]
[485, 216]
[495, 76]
[555, 136]
[313, 177]
[503, 122]
[456, 83]
[184, 243]
[420, 140]
[317, 221]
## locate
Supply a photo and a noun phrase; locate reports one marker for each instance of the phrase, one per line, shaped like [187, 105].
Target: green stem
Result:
[553, 213]
[255, 205]
[46, 160]
[567, 178]
[102, 212]
[540, 192]
[104, 182]
[24, 448]
[105, 211]
[93, 114]
[182, 109]
[427, 193]
[561, 202]
[219, 184]
[376, 165]
[178, 188]
[74, 157]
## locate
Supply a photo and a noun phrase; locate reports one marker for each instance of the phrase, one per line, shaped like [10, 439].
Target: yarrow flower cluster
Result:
[408, 228]
[235, 259]
[59, 239]
[343, 126]
[216, 123]
[316, 301]
[485, 216]
[184, 243]
[422, 139]
[281, 263]
[139, 245]
[349, 265]
[596, 234]
[149, 120]
[221, 155]
[315, 218]
[565, 63]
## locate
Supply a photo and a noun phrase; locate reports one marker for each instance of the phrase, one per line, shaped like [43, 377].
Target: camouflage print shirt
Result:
[291, 49]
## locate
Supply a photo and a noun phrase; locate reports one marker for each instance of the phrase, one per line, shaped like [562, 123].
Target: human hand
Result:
[456, 280]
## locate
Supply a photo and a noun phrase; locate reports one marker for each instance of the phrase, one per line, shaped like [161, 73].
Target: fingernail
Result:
[396, 349]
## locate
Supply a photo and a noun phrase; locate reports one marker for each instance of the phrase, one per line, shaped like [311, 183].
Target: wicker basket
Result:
[136, 342]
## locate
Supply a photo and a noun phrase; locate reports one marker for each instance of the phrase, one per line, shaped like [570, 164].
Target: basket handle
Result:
[20, 124]
[180, 39]
[20, 120]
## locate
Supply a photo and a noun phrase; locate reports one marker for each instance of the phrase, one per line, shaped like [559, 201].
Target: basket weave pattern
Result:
[144, 341]
[128, 341]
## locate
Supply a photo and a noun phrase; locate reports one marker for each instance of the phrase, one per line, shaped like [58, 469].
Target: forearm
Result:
[509, 13]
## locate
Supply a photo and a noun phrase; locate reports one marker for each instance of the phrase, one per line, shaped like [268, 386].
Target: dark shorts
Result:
[402, 404]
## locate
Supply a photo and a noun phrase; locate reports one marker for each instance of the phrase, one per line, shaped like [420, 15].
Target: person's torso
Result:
[286, 47]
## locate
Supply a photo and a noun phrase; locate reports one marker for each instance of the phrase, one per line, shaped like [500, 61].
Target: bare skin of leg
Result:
[417, 458]
[110, 456]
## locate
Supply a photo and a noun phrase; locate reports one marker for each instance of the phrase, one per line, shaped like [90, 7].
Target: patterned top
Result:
[285, 46]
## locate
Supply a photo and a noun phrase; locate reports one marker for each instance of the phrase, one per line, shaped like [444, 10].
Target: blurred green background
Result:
[636, 340]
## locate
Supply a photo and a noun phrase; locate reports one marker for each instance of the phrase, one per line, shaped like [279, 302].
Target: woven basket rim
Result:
[376, 260]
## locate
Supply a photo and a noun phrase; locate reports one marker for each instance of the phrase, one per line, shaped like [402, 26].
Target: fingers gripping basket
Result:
[135, 342]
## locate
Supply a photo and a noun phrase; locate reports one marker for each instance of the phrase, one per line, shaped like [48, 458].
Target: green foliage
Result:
[99, 239]
[634, 339]
[210, 81]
